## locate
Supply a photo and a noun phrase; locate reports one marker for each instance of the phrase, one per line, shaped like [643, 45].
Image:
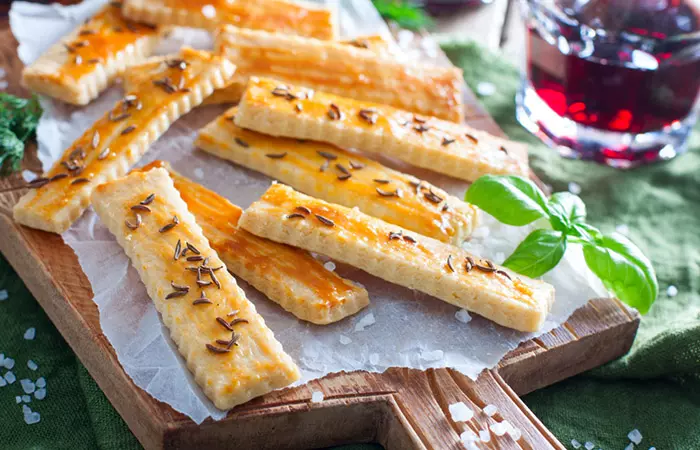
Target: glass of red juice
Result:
[615, 81]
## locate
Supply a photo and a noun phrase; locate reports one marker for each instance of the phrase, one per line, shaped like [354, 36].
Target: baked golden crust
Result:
[279, 16]
[338, 176]
[228, 348]
[289, 276]
[345, 70]
[116, 141]
[399, 256]
[277, 109]
[85, 62]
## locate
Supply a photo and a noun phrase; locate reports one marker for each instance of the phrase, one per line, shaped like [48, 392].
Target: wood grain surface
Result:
[401, 408]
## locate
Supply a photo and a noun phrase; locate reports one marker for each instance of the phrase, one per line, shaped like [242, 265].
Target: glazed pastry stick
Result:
[288, 276]
[345, 70]
[116, 141]
[85, 62]
[338, 176]
[228, 348]
[279, 109]
[402, 257]
[280, 16]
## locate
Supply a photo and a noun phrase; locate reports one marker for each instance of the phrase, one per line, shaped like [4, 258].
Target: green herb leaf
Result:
[624, 270]
[11, 152]
[406, 13]
[510, 199]
[539, 253]
[19, 118]
[565, 209]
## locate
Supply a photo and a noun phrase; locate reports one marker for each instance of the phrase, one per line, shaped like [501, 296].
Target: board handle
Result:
[421, 417]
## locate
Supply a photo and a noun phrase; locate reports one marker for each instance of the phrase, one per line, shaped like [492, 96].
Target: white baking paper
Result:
[401, 327]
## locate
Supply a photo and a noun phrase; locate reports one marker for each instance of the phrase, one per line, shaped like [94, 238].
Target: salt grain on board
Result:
[3, 295]
[463, 316]
[468, 436]
[30, 334]
[490, 410]
[484, 435]
[460, 412]
[635, 436]
[366, 321]
[498, 428]
[316, 397]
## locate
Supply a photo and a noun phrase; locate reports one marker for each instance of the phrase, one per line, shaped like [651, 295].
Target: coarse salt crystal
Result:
[589, 445]
[27, 386]
[498, 428]
[515, 433]
[374, 359]
[344, 339]
[574, 188]
[329, 266]
[40, 394]
[463, 316]
[209, 11]
[484, 435]
[18, 399]
[26, 399]
[652, 448]
[366, 321]
[30, 334]
[635, 436]
[40, 382]
[2, 360]
[490, 410]
[630, 446]
[435, 355]
[460, 412]
[468, 435]
[622, 229]
[575, 444]
[29, 176]
[316, 397]
[9, 363]
[672, 291]
[3, 295]
[199, 173]
[10, 377]
[32, 418]
[3, 383]
[32, 365]
[485, 89]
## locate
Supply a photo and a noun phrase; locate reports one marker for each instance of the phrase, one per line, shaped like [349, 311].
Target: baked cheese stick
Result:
[288, 276]
[399, 256]
[82, 64]
[291, 17]
[278, 109]
[116, 141]
[228, 348]
[345, 70]
[337, 176]
[234, 91]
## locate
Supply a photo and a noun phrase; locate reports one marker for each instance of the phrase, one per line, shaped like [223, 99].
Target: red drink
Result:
[612, 80]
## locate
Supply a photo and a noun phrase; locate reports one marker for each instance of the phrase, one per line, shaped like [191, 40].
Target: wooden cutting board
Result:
[401, 408]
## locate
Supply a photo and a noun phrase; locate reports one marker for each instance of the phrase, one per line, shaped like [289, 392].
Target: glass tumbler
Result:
[615, 81]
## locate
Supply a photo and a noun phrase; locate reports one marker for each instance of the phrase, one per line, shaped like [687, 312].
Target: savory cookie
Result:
[399, 256]
[280, 16]
[116, 141]
[83, 64]
[338, 176]
[232, 93]
[368, 74]
[228, 348]
[288, 276]
[278, 109]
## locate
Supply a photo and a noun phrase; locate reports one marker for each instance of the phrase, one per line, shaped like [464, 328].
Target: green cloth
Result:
[655, 388]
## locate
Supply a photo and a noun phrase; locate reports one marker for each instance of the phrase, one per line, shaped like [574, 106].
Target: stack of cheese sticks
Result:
[311, 112]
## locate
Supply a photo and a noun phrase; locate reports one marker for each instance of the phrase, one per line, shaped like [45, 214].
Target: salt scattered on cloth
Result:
[485, 89]
[40, 394]
[3, 383]
[490, 410]
[3, 295]
[344, 339]
[26, 399]
[460, 412]
[672, 291]
[30, 417]
[18, 399]
[10, 377]
[575, 444]
[574, 188]
[40, 382]
[28, 386]
[9, 363]
[366, 321]
[316, 397]
[630, 446]
[32, 365]
[589, 445]
[463, 316]
[635, 436]
[30, 334]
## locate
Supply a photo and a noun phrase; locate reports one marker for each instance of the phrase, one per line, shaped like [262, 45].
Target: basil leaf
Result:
[539, 253]
[11, 152]
[565, 209]
[624, 270]
[510, 199]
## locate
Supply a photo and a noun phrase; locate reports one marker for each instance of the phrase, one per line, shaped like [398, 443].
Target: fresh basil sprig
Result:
[517, 201]
[19, 118]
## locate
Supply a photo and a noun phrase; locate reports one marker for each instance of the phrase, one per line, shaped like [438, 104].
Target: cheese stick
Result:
[84, 63]
[278, 109]
[402, 257]
[341, 177]
[288, 276]
[290, 17]
[116, 141]
[233, 356]
[346, 70]
[234, 91]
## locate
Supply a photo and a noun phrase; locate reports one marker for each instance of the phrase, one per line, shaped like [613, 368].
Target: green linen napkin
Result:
[655, 388]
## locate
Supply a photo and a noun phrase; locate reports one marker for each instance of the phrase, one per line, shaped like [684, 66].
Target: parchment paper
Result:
[400, 328]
